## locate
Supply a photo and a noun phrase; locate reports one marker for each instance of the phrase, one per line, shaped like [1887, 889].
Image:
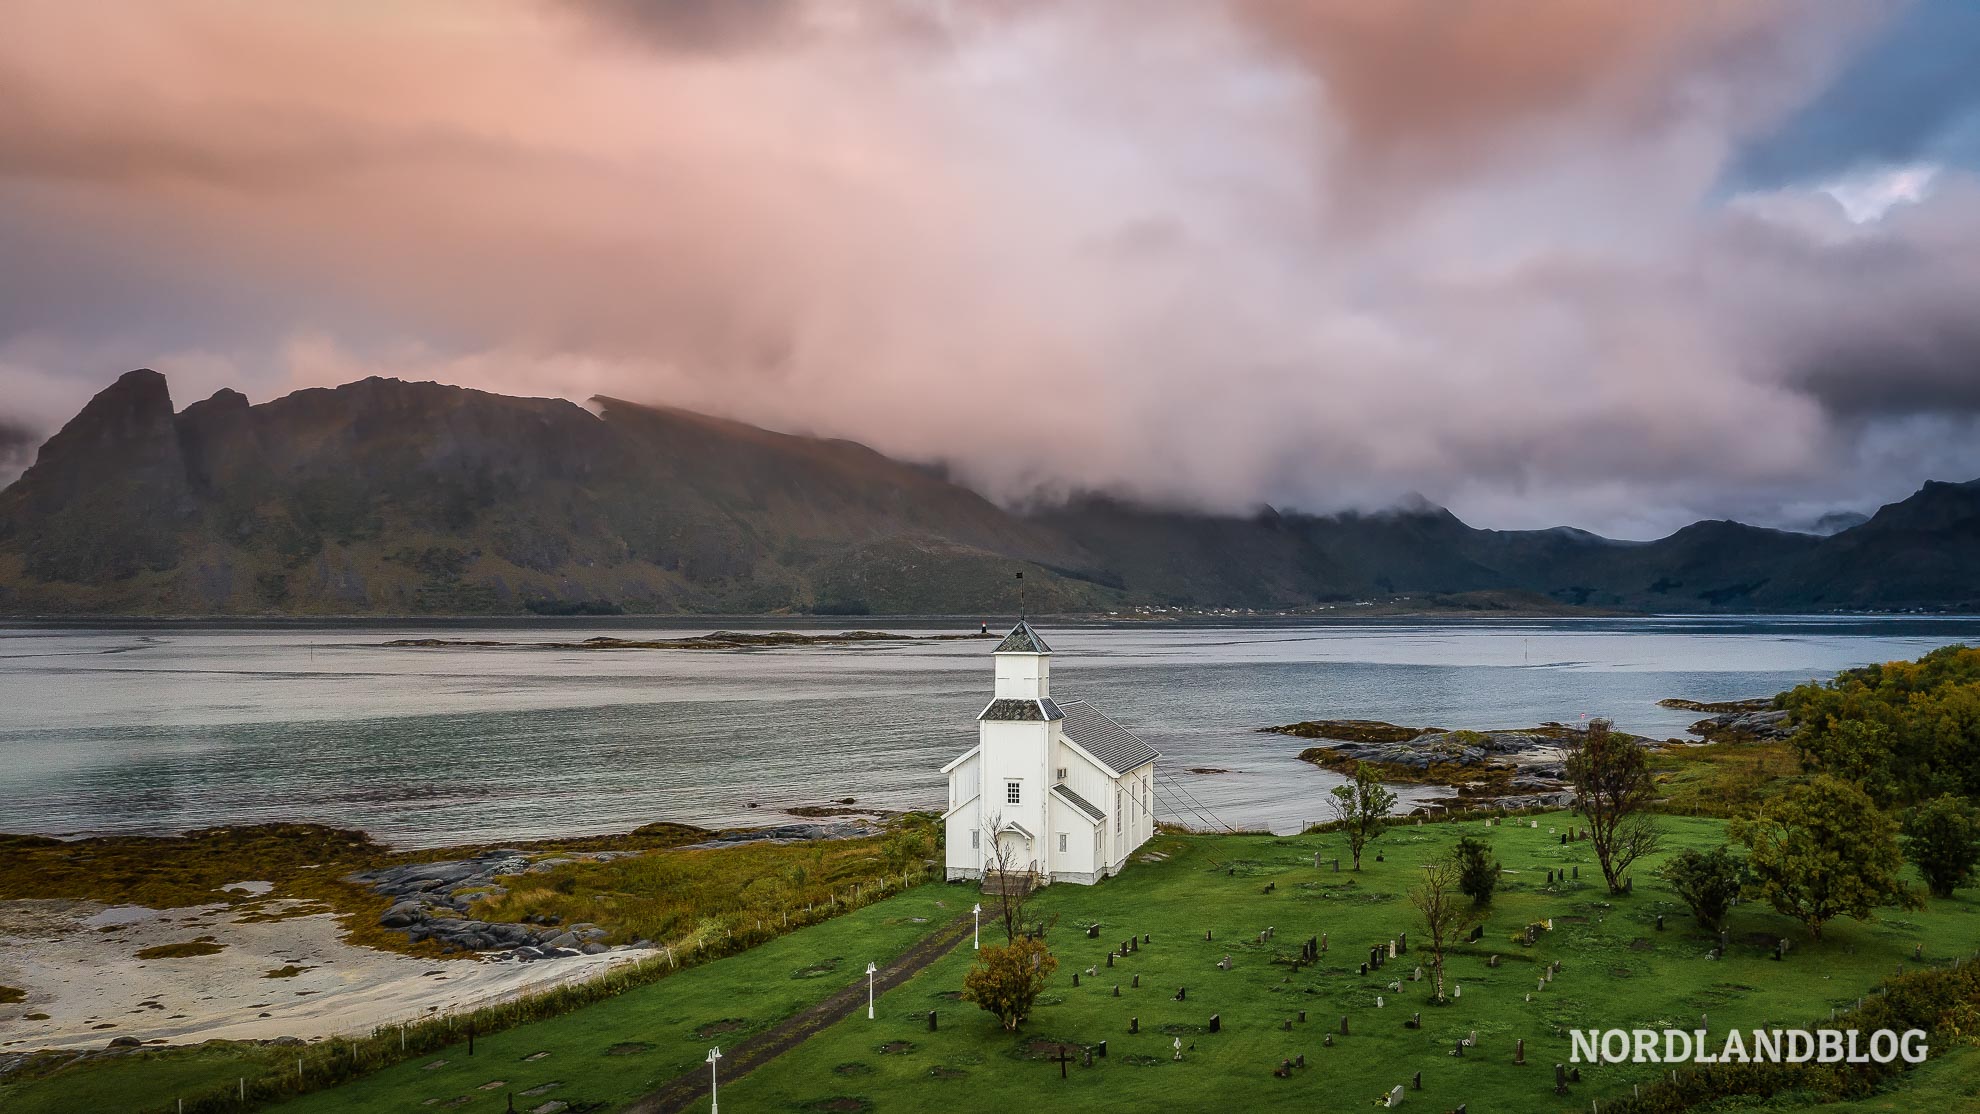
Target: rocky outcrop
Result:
[435, 899]
[1769, 724]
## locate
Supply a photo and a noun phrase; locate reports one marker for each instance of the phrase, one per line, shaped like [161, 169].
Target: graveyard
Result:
[1201, 1006]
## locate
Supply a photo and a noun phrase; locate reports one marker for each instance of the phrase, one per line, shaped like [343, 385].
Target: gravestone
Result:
[1134, 1025]
[1137, 982]
[1660, 922]
[1492, 962]
[1560, 1079]
[1302, 1017]
[1327, 1041]
[1395, 1096]
[1075, 978]
[1178, 1048]
[1577, 872]
[1063, 1058]
[1086, 1058]
[1093, 932]
[1457, 991]
[1344, 1025]
[1402, 943]
[1110, 959]
[1181, 993]
[1519, 1051]
[931, 1021]
[1458, 1050]
[1206, 934]
[1415, 1021]
[1117, 990]
[1216, 1022]
[1287, 1025]
[1364, 969]
[1378, 1002]
[1416, 1082]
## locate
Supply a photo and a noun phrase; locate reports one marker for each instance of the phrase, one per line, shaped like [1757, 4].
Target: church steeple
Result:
[1024, 665]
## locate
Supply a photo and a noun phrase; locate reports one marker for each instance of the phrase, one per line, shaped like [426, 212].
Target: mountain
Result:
[387, 497]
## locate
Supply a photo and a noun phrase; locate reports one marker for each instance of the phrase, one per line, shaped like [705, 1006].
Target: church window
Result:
[1013, 792]
[1062, 841]
[976, 841]
[1117, 812]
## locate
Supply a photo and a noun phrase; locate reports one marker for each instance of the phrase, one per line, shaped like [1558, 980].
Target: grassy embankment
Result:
[700, 903]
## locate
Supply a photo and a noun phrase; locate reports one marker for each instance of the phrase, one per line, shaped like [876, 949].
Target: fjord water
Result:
[166, 727]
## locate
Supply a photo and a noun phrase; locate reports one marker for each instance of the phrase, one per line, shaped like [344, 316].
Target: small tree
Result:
[1446, 914]
[1008, 979]
[1012, 879]
[1707, 881]
[1478, 871]
[1942, 839]
[1823, 850]
[1361, 805]
[1613, 789]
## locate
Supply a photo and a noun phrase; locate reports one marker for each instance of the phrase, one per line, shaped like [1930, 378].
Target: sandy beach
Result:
[86, 985]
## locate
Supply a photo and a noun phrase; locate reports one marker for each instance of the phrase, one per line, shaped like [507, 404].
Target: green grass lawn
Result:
[1617, 972]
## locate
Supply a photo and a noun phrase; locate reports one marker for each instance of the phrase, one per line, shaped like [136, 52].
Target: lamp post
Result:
[714, 1103]
[870, 971]
[976, 911]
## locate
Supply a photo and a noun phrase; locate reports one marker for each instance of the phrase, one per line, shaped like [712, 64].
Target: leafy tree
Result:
[1613, 789]
[1942, 838]
[1821, 850]
[1906, 731]
[1361, 805]
[1478, 871]
[1440, 900]
[1708, 881]
[1007, 979]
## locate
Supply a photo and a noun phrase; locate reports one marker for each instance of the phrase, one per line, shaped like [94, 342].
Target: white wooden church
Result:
[1064, 793]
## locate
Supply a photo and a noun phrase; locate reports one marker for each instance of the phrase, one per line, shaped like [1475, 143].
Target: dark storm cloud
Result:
[699, 25]
[1912, 93]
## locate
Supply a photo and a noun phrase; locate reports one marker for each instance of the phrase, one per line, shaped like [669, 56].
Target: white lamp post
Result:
[714, 1103]
[976, 911]
[870, 970]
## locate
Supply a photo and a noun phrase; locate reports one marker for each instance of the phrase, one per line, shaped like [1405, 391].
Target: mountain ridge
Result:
[388, 497]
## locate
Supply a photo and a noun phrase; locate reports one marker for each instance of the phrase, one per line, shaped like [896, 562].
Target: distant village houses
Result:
[1053, 792]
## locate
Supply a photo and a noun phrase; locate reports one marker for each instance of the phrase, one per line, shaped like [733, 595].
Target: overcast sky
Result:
[1619, 265]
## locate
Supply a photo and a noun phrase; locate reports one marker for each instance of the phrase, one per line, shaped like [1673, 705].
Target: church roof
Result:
[1022, 711]
[1022, 640]
[1110, 744]
[1080, 803]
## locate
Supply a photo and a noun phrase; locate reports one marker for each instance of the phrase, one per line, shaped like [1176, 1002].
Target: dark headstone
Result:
[1288, 1025]
[1117, 990]
[1181, 992]
[1574, 1074]
[1660, 922]
[1344, 1025]
[931, 1021]
[1216, 1022]
[1416, 1082]
[1364, 968]
[1075, 978]
[1134, 1025]
[1110, 959]
[1519, 1051]
[1137, 982]
[1302, 1017]
[1415, 1021]
[1560, 1079]
[1093, 932]
[1101, 1048]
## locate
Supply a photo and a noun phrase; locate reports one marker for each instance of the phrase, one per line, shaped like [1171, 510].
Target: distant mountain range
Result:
[387, 497]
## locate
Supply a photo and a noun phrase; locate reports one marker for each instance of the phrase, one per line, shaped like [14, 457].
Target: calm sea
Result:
[164, 727]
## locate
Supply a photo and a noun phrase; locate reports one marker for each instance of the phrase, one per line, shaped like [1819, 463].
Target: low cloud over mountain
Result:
[1544, 261]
